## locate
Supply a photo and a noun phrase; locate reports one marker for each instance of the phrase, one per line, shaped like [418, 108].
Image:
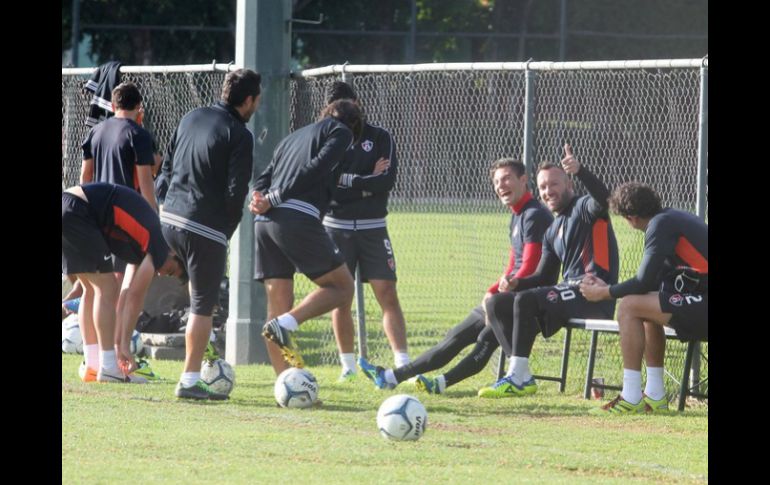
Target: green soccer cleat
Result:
[198, 391]
[210, 354]
[506, 387]
[144, 370]
[427, 384]
[621, 406]
[659, 406]
[348, 376]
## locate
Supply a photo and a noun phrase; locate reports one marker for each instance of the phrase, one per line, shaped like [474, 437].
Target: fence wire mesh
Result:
[448, 230]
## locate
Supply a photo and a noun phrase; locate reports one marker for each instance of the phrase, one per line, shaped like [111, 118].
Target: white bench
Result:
[595, 326]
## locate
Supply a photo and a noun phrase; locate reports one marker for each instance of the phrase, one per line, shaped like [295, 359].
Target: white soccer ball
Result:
[71, 340]
[136, 346]
[219, 376]
[402, 418]
[296, 388]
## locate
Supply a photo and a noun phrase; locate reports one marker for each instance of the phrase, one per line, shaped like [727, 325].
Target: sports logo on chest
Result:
[367, 145]
[515, 231]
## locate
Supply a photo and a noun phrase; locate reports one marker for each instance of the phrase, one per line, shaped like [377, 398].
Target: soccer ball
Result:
[296, 388]
[218, 375]
[136, 346]
[402, 417]
[71, 340]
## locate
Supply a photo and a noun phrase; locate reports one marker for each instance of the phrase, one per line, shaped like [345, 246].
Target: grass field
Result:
[114, 433]
[119, 434]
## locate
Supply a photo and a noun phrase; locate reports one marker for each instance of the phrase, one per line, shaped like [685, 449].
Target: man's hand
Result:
[594, 288]
[502, 285]
[569, 163]
[382, 165]
[259, 204]
[126, 361]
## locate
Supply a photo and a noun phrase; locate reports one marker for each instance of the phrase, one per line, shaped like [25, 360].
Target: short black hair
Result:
[239, 85]
[340, 90]
[126, 96]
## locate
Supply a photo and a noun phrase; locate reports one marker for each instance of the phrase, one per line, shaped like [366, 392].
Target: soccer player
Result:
[208, 166]
[581, 241]
[529, 221]
[100, 220]
[670, 288]
[289, 199]
[356, 224]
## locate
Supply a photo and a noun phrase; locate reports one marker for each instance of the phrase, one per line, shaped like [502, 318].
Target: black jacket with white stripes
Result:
[360, 194]
[208, 164]
[305, 167]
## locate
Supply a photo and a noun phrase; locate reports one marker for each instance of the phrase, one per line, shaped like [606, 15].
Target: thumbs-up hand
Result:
[569, 163]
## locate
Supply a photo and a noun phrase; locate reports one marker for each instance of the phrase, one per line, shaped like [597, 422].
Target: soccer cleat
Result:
[659, 406]
[427, 384]
[506, 387]
[199, 391]
[211, 354]
[145, 371]
[347, 376]
[119, 378]
[375, 373]
[282, 338]
[621, 406]
[86, 373]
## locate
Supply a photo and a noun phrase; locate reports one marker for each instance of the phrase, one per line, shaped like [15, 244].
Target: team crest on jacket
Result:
[367, 145]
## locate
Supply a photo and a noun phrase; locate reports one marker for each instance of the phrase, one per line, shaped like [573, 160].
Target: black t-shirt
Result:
[117, 146]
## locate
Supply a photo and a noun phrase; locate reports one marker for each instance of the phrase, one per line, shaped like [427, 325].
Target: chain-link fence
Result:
[168, 95]
[448, 230]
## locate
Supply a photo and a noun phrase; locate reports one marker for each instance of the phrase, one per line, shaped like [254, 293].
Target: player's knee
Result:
[387, 296]
[628, 307]
[524, 301]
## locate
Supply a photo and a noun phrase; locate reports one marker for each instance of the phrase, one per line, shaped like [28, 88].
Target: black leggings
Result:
[470, 330]
[513, 318]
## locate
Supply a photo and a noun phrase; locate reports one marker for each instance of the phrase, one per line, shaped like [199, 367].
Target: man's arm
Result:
[238, 177]
[380, 180]
[598, 205]
[331, 153]
[546, 274]
[87, 171]
[146, 185]
[130, 303]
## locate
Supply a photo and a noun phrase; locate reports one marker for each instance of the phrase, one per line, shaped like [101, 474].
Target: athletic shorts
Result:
[288, 241]
[689, 314]
[83, 247]
[557, 304]
[204, 261]
[370, 249]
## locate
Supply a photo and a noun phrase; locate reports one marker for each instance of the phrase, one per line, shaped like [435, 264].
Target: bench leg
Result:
[684, 385]
[590, 369]
[565, 360]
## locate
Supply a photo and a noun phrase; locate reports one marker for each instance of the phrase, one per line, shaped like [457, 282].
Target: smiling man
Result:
[529, 221]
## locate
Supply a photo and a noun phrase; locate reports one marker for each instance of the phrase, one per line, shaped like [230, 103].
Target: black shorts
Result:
[290, 241]
[83, 247]
[689, 314]
[370, 249]
[204, 260]
[557, 304]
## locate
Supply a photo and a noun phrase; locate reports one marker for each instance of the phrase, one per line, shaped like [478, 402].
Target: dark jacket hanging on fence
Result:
[103, 81]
